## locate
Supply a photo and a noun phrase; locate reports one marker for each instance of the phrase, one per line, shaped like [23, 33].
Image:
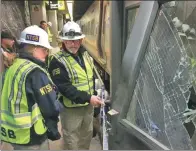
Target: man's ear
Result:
[81, 40]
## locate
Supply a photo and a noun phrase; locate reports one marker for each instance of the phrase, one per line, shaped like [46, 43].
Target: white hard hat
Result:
[50, 24]
[71, 31]
[36, 36]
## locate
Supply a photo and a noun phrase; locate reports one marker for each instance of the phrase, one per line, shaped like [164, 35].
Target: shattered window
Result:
[164, 101]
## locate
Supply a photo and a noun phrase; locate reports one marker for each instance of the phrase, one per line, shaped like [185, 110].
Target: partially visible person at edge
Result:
[72, 72]
[7, 41]
[50, 35]
[29, 110]
[43, 25]
[7, 52]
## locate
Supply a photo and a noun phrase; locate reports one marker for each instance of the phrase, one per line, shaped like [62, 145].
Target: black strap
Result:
[72, 33]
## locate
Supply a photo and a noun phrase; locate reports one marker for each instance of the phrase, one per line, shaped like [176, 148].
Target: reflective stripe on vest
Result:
[16, 120]
[81, 79]
[49, 35]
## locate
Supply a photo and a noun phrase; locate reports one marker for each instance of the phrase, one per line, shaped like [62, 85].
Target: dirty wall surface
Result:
[13, 16]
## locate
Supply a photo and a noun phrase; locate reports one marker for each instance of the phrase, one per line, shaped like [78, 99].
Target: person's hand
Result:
[53, 135]
[96, 101]
[52, 129]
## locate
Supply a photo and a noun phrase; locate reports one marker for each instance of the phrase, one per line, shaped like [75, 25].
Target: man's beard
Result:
[71, 50]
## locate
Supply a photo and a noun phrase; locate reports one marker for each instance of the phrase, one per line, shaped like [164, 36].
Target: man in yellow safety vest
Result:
[72, 71]
[50, 35]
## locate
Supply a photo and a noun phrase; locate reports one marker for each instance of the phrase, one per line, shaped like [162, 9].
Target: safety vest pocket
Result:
[37, 120]
[40, 127]
[15, 135]
[15, 128]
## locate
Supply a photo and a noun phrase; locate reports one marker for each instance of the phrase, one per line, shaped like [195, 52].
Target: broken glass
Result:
[164, 101]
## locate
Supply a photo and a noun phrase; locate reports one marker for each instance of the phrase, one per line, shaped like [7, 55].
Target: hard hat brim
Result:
[46, 46]
[49, 47]
[72, 38]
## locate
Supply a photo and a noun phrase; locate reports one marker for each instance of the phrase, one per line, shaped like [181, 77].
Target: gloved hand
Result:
[53, 135]
[52, 132]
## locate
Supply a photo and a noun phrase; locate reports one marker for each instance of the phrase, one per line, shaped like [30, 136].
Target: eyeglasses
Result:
[76, 42]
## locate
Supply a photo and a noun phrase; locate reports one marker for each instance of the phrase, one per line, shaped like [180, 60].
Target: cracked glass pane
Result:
[164, 101]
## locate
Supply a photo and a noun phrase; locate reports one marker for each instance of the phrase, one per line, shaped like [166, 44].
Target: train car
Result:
[96, 26]
[148, 50]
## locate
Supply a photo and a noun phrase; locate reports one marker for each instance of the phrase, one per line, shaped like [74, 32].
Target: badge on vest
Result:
[46, 89]
[56, 71]
[31, 37]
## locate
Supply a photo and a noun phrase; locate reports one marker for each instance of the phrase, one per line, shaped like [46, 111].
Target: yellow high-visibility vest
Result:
[81, 79]
[50, 35]
[16, 119]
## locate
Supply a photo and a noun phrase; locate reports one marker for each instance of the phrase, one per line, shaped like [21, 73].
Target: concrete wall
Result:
[60, 22]
[52, 17]
[13, 17]
[37, 14]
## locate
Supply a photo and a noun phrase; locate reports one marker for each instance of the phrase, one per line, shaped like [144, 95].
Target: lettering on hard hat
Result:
[31, 37]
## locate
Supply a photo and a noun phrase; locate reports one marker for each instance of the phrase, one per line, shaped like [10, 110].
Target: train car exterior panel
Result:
[91, 39]
[98, 33]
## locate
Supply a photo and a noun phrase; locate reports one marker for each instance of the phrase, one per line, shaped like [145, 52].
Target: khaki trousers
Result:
[43, 146]
[77, 127]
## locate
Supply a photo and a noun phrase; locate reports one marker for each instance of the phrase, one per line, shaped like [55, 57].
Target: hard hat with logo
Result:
[36, 36]
[71, 31]
[50, 24]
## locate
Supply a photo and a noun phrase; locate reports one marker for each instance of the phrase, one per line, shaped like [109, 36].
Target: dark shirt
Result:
[63, 82]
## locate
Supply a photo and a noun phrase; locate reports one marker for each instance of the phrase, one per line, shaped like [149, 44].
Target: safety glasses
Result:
[75, 42]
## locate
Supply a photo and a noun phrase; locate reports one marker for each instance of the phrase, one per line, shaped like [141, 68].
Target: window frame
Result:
[134, 6]
[132, 59]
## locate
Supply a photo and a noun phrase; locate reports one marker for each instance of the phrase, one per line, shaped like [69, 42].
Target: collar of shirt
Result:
[25, 55]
